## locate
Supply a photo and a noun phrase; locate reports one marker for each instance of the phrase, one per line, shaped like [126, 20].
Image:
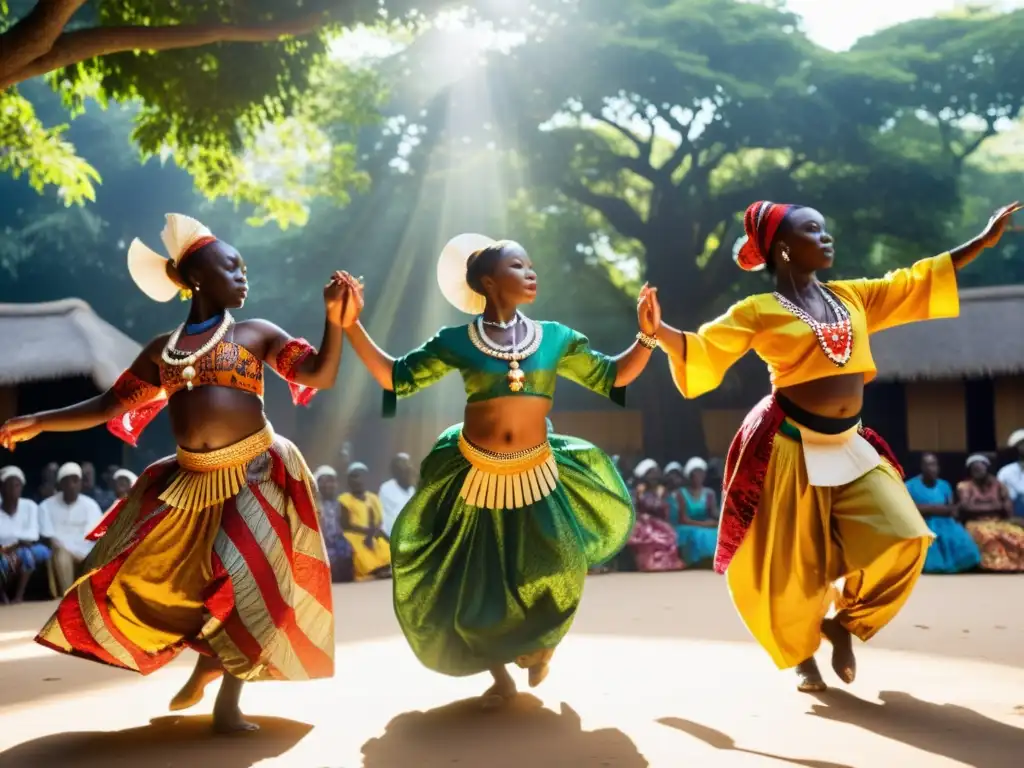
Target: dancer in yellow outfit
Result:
[362, 520]
[810, 495]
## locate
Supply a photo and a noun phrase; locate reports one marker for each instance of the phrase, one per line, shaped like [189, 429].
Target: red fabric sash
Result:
[745, 468]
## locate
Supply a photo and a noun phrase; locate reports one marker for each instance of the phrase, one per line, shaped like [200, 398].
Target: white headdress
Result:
[128, 475]
[11, 471]
[695, 463]
[1015, 439]
[324, 471]
[451, 272]
[71, 469]
[640, 470]
[182, 236]
[976, 458]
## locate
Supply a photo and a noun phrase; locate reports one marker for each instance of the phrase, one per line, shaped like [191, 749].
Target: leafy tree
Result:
[669, 116]
[209, 76]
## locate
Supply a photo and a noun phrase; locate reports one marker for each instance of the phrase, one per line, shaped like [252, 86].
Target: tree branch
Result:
[34, 35]
[990, 130]
[73, 47]
[619, 213]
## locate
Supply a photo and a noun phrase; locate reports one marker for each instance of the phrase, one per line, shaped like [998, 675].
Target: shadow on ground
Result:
[525, 735]
[167, 742]
[726, 743]
[947, 730]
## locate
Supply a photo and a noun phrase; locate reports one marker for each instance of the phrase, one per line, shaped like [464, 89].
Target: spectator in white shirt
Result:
[64, 521]
[1012, 475]
[396, 492]
[21, 552]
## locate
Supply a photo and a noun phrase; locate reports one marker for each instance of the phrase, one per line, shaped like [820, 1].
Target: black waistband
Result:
[825, 425]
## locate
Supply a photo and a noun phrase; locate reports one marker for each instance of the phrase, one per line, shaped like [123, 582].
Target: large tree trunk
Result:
[672, 424]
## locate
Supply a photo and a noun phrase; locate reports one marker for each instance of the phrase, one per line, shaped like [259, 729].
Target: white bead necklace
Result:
[187, 360]
[512, 353]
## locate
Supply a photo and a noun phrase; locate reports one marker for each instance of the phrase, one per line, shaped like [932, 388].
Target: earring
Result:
[785, 258]
[197, 284]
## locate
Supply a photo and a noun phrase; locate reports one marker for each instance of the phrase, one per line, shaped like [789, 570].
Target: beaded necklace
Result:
[512, 353]
[173, 356]
[835, 338]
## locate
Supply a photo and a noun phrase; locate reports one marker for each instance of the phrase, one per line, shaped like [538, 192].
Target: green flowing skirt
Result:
[474, 587]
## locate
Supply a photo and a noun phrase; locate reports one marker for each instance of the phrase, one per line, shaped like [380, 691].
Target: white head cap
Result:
[1016, 439]
[12, 471]
[182, 235]
[695, 463]
[357, 466]
[674, 466]
[324, 471]
[644, 467]
[69, 470]
[131, 477]
[974, 458]
[451, 272]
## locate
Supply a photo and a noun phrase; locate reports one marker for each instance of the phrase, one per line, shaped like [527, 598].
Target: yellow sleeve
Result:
[925, 291]
[714, 348]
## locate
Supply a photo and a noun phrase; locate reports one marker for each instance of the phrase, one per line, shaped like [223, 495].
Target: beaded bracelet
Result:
[648, 341]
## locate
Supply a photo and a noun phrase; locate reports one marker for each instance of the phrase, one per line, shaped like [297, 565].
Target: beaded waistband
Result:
[208, 479]
[243, 451]
[507, 480]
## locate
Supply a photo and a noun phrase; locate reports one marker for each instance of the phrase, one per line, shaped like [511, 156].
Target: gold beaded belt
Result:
[207, 479]
[507, 480]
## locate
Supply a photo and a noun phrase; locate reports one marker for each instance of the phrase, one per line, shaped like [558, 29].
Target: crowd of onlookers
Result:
[43, 533]
[978, 524]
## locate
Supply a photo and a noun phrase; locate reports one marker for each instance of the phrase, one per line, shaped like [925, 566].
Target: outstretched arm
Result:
[94, 411]
[989, 237]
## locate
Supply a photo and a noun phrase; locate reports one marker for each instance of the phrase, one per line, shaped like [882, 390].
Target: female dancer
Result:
[809, 493]
[217, 548]
[489, 556]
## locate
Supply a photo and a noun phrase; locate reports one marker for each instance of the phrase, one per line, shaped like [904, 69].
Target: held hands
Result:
[18, 431]
[353, 299]
[989, 237]
[648, 310]
[343, 299]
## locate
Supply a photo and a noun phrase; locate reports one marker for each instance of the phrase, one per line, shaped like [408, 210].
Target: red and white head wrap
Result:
[761, 222]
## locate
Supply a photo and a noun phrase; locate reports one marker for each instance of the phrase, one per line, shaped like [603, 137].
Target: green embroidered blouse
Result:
[562, 352]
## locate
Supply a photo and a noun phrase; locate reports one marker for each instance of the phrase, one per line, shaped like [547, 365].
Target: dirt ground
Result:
[657, 671]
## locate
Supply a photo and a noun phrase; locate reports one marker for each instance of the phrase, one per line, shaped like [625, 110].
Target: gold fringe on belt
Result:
[205, 480]
[508, 480]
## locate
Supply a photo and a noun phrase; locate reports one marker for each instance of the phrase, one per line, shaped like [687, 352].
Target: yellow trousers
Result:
[805, 538]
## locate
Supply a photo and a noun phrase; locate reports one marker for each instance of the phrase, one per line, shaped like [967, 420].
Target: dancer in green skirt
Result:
[489, 556]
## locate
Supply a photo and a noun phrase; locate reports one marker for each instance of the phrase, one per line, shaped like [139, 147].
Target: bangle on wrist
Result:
[650, 342]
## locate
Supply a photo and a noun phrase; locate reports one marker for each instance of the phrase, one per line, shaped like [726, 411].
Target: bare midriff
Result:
[507, 424]
[835, 397]
[209, 418]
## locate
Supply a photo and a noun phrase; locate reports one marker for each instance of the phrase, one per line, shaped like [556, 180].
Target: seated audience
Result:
[985, 508]
[64, 521]
[21, 552]
[953, 550]
[653, 539]
[693, 510]
[362, 520]
[339, 551]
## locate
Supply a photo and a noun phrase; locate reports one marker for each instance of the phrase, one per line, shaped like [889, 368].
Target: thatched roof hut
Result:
[61, 339]
[987, 340]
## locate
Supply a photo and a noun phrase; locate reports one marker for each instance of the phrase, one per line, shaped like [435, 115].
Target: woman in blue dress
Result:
[693, 510]
[953, 550]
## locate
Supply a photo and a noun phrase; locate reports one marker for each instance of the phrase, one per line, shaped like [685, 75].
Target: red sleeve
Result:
[143, 402]
[287, 361]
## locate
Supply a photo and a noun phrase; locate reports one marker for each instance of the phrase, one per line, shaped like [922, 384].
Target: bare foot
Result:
[844, 664]
[809, 678]
[192, 692]
[501, 693]
[538, 673]
[231, 720]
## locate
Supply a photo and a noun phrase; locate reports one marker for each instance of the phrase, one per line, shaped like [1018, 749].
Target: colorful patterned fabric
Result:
[246, 580]
[745, 467]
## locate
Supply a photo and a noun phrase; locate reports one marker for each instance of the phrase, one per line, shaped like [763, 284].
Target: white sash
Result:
[834, 460]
